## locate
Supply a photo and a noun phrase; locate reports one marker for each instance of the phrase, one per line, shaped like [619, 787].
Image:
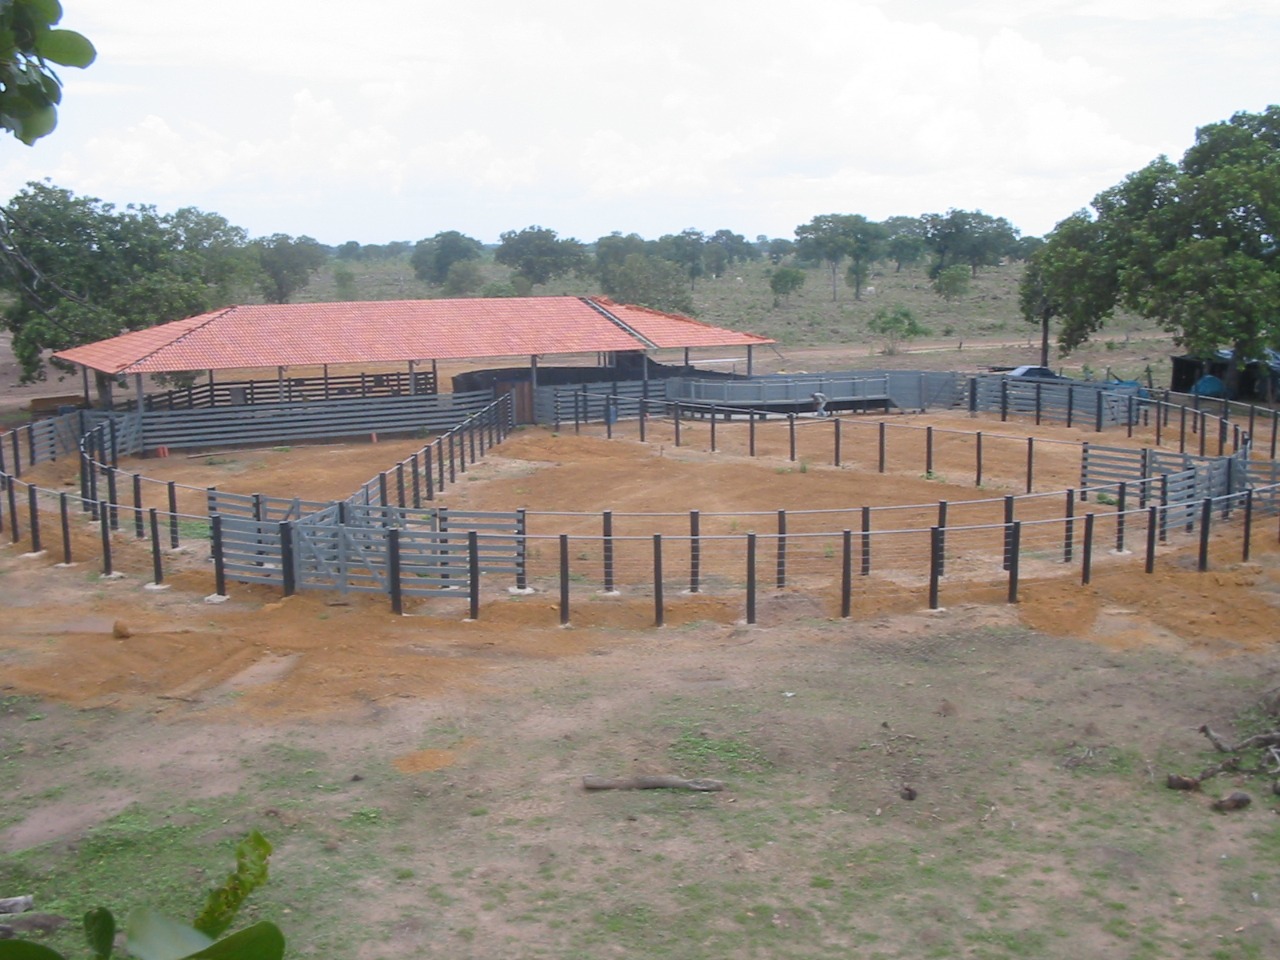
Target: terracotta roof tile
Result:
[272, 335]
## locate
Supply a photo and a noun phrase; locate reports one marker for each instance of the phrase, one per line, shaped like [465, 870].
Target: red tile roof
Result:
[276, 335]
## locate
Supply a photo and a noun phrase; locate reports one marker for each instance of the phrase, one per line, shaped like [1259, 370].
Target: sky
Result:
[386, 120]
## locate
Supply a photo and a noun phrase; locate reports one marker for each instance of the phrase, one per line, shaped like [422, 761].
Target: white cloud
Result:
[397, 118]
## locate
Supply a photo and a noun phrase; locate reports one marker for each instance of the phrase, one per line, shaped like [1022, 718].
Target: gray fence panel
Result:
[287, 422]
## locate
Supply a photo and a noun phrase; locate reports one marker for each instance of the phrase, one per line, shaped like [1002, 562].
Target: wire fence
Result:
[920, 553]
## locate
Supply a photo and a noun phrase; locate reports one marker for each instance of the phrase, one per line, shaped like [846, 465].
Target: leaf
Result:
[252, 854]
[100, 931]
[66, 47]
[24, 950]
[262, 941]
[48, 11]
[37, 124]
[153, 936]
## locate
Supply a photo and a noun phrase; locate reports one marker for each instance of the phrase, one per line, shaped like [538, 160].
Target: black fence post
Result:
[1097, 422]
[33, 506]
[644, 414]
[400, 500]
[1015, 550]
[659, 613]
[1008, 525]
[1122, 498]
[157, 558]
[112, 498]
[942, 536]
[522, 544]
[1206, 519]
[1031, 462]
[473, 572]
[935, 565]
[1153, 526]
[1071, 403]
[782, 549]
[928, 453]
[713, 428]
[751, 578]
[104, 528]
[288, 560]
[846, 574]
[1248, 526]
[453, 456]
[1164, 507]
[751, 434]
[564, 579]
[835, 422]
[1086, 561]
[428, 471]
[606, 549]
[138, 531]
[219, 560]
[1004, 400]
[791, 431]
[677, 413]
[393, 571]
[65, 516]
[172, 491]
[977, 479]
[865, 543]
[415, 476]
[695, 551]
[1069, 527]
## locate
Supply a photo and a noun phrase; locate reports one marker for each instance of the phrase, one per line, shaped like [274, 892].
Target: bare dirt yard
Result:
[420, 776]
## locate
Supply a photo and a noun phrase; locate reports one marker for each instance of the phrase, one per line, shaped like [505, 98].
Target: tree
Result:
[80, 270]
[432, 258]
[1191, 245]
[287, 264]
[1071, 279]
[30, 91]
[685, 249]
[736, 247]
[652, 282]
[968, 236]
[832, 237]
[464, 278]
[779, 249]
[785, 281]
[539, 255]
[611, 253]
[896, 324]
[952, 283]
[905, 242]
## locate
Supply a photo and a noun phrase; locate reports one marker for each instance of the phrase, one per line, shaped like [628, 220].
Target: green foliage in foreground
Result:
[150, 935]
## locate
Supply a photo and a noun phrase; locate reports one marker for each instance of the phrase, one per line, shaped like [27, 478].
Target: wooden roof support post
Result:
[413, 379]
[84, 377]
[749, 358]
[280, 384]
[686, 355]
[533, 371]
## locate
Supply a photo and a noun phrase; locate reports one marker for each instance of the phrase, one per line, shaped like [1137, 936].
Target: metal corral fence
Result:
[385, 540]
[116, 500]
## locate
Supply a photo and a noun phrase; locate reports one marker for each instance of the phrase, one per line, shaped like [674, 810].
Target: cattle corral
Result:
[508, 689]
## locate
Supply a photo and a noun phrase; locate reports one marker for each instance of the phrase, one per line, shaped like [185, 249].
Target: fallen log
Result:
[650, 783]
[17, 904]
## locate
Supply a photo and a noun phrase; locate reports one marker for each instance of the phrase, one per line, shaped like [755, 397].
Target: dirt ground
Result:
[419, 775]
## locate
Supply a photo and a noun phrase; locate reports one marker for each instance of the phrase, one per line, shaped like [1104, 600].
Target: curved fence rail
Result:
[1132, 505]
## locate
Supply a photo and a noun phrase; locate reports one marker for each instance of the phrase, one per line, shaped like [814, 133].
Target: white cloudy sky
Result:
[388, 120]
